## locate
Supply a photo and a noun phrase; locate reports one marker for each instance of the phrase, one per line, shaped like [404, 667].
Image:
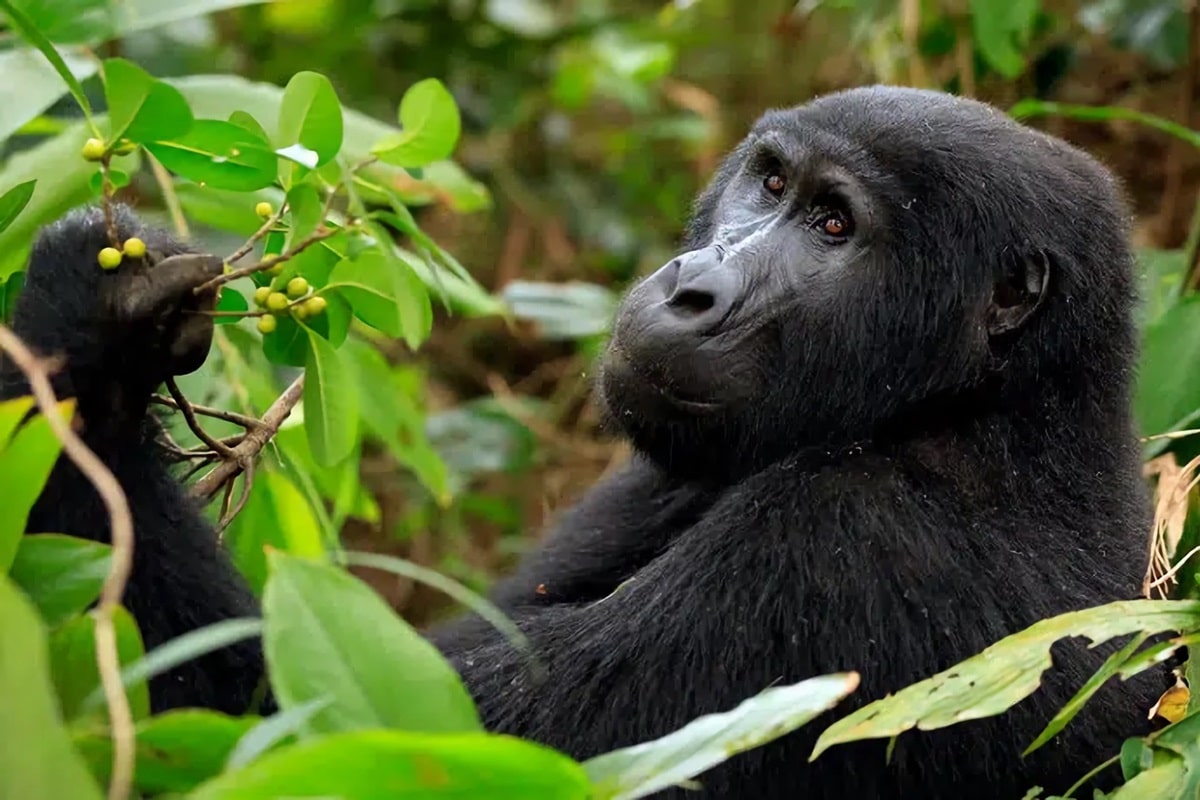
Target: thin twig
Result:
[320, 235]
[189, 415]
[231, 514]
[253, 444]
[106, 193]
[121, 527]
[272, 221]
[207, 411]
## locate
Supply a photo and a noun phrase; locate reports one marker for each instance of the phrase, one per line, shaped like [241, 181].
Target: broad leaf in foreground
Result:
[61, 574]
[36, 759]
[1005, 673]
[328, 634]
[380, 765]
[707, 741]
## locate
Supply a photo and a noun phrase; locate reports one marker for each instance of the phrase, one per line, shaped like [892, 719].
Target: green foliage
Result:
[38, 759]
[13, 202]
[328, 634]
[27, 455]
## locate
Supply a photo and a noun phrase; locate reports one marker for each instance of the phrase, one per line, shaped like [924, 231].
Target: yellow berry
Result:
[124, 147]
[93, 150]
[314, 306]
[109, 258]
[297, 287]
[134, 247]
[267, 324]
[275, 270]
[264, 209]
[277, 301]
[299, 311]
[260, 296]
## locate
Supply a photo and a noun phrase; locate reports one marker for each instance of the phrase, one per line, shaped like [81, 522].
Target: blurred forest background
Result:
[593, 124]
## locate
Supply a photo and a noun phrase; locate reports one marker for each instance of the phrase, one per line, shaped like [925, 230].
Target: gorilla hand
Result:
[123, 331]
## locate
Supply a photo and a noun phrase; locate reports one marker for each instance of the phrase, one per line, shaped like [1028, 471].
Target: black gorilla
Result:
[881, 414]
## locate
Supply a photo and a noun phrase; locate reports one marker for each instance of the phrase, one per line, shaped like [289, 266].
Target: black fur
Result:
[878, 452]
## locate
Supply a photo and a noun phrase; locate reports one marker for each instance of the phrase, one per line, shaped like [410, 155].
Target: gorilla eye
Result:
[835, 224]
[775, 183]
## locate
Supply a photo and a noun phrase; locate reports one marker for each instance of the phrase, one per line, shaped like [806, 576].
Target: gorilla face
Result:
[850, 265]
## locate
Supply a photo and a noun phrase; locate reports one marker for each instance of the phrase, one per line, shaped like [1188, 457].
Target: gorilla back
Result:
[881, 413]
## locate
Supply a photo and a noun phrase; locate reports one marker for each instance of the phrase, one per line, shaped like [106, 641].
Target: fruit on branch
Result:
[134, 247]
[109, 258]
[297, 287]
[93, 150]
[266, 324]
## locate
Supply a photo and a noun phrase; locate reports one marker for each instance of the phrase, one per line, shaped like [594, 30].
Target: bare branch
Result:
[256, 439]
[189, 414]
[207, 411]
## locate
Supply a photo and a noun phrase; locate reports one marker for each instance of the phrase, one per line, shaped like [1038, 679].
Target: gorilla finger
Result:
[169, 282]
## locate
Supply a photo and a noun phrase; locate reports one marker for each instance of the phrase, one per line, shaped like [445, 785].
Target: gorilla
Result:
[880, 409]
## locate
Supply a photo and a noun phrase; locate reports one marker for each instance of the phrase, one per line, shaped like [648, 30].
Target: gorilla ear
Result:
[1019, 293]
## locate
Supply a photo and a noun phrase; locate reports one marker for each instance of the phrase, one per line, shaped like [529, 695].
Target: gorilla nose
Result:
[704, 290]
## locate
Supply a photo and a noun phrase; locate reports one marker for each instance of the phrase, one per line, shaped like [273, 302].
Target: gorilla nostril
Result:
[692, 301]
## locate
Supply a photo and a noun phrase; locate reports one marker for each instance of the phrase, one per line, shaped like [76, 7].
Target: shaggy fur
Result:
[881, 482]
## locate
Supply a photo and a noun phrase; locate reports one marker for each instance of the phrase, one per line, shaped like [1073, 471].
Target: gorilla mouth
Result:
[634, 379]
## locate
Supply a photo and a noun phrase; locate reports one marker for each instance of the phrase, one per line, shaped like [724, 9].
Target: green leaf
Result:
[13, 202]
[430, 127]
[310, 115]
[377, 765]
[1166, 397]
[74, 670]
[24, 467]
[287, 344]
[329, 634]
[29, 32]
[61, 574]
[141, 108]
[330, 411]
[10, 290]
[37, 759]
[386, 294]
[230, 301]
[12, 412]
[1000, 27]
[219, 154]
[175, 751]
[707, 741]
[1005, 673]
[276, 515]
[305, 207]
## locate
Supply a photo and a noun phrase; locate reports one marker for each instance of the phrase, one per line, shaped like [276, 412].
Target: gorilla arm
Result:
[122, 333]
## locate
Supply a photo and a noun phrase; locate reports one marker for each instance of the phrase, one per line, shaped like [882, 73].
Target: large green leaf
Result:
[219, 154]
[1000, 28]
[563, 311]
[384, 765]
[1005, 673]
[24, 467]
[37, 759]
[141, 108]
[329, 634]
[311, 116]
[175, 751]
[330, 404]
[707, 741]
[63, 575]
[32, 84]
[386, 294]
[430, 127]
